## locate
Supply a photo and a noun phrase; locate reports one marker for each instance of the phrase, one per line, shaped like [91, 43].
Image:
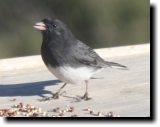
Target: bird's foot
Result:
[79, 98]
[54, 96]
[85, 97]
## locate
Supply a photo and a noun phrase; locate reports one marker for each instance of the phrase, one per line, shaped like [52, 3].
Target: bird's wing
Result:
[86, 55]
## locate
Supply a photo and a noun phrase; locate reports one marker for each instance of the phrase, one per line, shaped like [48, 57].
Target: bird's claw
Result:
[55, 96]
[85, 97]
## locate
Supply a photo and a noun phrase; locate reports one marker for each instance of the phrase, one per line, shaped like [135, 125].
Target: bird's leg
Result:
[85, 96]
[56, 95]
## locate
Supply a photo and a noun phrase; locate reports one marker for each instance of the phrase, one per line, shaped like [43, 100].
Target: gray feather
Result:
[116, 65]
[86, 55]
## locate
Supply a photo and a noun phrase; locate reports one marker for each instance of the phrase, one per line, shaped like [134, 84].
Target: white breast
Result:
[72, 75]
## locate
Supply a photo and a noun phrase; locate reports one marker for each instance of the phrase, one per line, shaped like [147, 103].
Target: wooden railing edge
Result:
[36, 61]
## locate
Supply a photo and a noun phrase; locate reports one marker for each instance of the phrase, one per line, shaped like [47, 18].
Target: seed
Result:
[14, 113]
[35, 114]
[67, 109]
[71, 109]
[63, 111]
[21, 104]
[56, 109]
[100, 114]
[110, 114]
[20, 109]
[35, 111]
[60, 111]
[61, 114]
[91, 112]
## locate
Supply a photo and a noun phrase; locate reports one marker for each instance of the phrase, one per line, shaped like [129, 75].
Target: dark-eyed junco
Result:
[69, 59]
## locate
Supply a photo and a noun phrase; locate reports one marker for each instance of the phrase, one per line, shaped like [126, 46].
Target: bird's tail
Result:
[116, 65]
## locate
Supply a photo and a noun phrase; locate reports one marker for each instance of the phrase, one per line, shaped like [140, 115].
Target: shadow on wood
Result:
[26, 89]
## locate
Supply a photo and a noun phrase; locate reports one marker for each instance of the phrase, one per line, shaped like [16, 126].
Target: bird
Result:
[68, 58]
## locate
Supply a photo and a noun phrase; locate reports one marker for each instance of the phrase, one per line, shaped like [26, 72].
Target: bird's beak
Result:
[40, 26]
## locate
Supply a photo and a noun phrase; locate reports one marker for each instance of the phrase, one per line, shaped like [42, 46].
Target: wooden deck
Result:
[123, 92]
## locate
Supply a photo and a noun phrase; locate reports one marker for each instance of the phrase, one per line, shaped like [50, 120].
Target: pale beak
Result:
[40, 26]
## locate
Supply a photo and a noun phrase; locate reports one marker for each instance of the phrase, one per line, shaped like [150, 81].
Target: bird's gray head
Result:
[53, 27]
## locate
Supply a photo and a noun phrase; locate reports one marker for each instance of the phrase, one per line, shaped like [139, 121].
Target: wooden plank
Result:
[126, 93]
[36, 61]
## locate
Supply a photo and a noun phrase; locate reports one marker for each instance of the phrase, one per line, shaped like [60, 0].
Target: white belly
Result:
[72, 75]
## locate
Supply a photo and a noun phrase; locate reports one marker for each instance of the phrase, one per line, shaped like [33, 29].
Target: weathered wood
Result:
[126, 93]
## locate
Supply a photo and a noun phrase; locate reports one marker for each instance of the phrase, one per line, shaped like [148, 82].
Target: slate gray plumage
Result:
[68, 58]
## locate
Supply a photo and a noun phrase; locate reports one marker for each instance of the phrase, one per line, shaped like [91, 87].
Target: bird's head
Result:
[52, 26]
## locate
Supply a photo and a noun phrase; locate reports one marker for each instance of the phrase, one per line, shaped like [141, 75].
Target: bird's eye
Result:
[54, 25]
